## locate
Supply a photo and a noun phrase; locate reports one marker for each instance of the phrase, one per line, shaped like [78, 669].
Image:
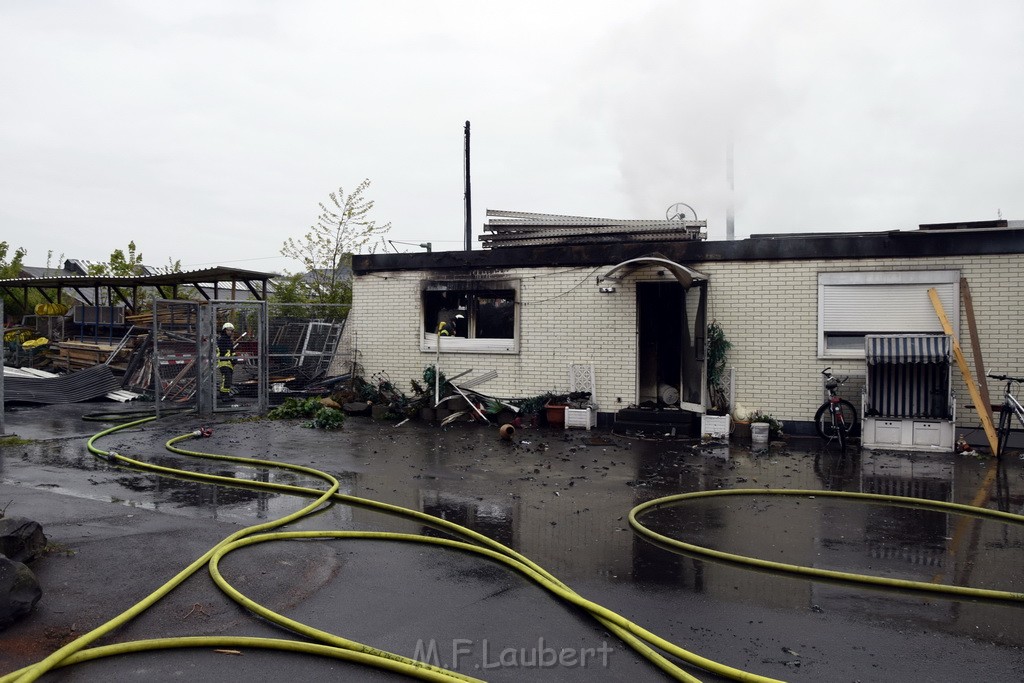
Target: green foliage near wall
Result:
[718, 348]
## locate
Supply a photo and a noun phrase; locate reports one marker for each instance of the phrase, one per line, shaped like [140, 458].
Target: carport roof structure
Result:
[167, 284]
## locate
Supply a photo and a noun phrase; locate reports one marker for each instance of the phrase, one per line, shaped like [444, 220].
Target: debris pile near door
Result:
[460, 400]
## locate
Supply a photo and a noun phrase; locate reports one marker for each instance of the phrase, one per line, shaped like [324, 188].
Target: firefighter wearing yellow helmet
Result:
[226, 359]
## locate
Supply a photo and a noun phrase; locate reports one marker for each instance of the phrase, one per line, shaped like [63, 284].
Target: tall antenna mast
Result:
[469, 199]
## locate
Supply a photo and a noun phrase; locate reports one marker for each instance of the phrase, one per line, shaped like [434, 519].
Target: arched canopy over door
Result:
[686, 276]
[671, 332]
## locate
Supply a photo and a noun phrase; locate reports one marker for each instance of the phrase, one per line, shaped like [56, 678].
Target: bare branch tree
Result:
[342, 229]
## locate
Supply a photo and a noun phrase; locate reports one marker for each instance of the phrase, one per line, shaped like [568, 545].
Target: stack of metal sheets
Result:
[523, 229]
[82, 385]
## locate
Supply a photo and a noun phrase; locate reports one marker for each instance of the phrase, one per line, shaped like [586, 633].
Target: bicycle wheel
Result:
[827, 429]
[1003, 433]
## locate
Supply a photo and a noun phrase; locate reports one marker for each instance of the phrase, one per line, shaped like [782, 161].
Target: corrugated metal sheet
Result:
[72, 388]
[521, 229]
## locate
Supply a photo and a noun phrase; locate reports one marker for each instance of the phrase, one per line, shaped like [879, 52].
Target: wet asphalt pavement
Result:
[562, 499]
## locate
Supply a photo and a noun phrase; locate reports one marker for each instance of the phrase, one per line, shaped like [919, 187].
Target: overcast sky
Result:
[209, 131]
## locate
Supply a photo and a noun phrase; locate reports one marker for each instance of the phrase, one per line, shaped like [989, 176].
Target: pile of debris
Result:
[523, 229]
[460, 400]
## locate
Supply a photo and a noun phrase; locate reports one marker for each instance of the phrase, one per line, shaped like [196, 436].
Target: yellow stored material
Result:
[51, 309]
[18, 335]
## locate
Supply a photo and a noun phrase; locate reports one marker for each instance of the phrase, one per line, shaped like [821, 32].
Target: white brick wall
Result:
[768, 309]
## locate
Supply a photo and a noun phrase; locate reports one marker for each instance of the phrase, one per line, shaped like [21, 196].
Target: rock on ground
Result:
[19, 590]
[21, 539]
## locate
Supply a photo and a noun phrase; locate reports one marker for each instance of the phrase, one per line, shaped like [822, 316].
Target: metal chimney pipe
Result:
[730, 210]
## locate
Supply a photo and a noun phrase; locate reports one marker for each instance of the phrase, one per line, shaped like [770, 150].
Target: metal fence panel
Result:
[177, 361]
[249, 374]
[287, 347]
[304, 340]
[174, 362]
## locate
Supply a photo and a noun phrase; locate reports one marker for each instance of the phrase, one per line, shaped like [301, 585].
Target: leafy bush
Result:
[718, 348]
[328, 418]
[429, 378]
[293, 408]
[774, 426]
[535, 404]
[322, 416]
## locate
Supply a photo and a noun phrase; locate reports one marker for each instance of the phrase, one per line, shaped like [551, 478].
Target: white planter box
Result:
[714, 427]
[580, 417]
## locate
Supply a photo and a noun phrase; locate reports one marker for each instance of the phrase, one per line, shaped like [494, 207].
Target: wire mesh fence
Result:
[171, 368]
[304, 343]
[168, 352]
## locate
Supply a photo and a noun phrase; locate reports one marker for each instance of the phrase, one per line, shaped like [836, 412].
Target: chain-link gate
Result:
[173, 364]
[184, 360]
[239, 363]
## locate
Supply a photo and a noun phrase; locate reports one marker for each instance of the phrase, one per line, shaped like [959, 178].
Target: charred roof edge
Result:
[893, 244]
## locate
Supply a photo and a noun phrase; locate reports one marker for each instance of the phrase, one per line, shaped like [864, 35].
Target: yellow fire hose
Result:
[648, 644]
[828, 574]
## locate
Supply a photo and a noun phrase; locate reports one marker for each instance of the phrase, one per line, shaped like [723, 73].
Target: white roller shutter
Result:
[885, 302]
[885, 308]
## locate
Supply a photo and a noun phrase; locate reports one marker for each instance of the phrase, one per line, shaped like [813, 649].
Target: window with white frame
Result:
[470, 316]
[854, 304]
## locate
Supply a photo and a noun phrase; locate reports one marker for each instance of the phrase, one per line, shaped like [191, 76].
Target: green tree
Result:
[8, 270]
[342, 229]
[120, 265]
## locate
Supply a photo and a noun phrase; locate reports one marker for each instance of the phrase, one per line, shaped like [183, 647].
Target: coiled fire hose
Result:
[651, 646]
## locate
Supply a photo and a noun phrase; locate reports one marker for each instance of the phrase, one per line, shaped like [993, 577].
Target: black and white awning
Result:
[907, 348]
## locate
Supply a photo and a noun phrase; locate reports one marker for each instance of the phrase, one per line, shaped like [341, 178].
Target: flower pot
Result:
[759, 433]
[555, 413]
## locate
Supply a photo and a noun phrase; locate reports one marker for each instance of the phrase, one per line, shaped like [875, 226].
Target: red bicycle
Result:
[836, 418]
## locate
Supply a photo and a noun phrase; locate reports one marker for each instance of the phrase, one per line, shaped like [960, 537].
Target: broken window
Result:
[476, 316]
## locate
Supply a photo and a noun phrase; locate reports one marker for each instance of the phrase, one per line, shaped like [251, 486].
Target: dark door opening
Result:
[661, 317]
[670, 353]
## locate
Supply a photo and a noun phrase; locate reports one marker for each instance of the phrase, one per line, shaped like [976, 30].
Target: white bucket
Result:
[759, 433]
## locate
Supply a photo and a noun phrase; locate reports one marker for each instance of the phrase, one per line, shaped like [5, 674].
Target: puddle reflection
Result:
[562, 500]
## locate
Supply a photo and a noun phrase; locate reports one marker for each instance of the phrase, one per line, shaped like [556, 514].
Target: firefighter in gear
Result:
[226, 359]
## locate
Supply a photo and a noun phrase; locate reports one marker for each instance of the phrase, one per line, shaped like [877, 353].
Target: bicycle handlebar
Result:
[828, 375]
[1007, 378]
